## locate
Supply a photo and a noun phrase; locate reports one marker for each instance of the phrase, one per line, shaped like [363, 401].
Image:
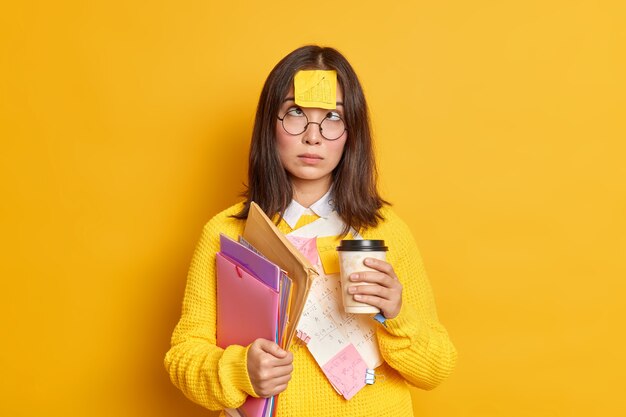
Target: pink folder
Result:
[247, 309]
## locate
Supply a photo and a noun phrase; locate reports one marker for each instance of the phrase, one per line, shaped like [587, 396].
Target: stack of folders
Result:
[262, 284]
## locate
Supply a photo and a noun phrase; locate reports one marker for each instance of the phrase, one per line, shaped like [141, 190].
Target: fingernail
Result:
[354, 277]
[352, 290]
[368, 261]
[358, 296]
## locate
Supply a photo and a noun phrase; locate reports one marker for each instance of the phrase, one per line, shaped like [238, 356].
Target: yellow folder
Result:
[261, 233]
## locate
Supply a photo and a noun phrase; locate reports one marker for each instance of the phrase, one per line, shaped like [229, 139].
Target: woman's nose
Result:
[312, 134]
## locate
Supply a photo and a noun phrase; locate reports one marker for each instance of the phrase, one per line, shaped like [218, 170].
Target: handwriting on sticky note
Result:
[346, 371]
[307, 247]
[316, 88]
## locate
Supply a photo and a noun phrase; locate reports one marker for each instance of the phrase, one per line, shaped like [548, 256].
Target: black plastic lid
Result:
[362, 245]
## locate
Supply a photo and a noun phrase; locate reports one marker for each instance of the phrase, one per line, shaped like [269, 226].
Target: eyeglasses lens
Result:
[331, 128]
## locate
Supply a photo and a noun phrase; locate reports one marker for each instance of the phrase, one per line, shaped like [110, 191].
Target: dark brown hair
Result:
[355, 192]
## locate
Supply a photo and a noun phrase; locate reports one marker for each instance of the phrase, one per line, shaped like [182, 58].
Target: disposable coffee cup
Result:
[352, 253]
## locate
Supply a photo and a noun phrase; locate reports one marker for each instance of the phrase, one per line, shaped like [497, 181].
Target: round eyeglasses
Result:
[295, 123]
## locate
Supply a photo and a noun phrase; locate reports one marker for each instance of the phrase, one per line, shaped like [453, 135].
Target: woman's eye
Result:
[295, 111]
[333, 116]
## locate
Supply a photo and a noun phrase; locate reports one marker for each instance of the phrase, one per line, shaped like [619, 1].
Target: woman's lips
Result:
[310, 158]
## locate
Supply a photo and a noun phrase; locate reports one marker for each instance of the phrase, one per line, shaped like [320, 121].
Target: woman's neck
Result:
[308, 192]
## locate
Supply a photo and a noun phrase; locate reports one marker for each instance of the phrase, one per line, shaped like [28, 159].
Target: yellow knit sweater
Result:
[415, 347]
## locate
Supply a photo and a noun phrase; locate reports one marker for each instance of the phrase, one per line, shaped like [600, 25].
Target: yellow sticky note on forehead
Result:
[316, 88]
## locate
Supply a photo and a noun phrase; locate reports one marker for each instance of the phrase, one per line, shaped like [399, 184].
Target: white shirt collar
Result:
[322, 207]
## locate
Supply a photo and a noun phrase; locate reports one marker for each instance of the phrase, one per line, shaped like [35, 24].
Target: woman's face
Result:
[309, 158]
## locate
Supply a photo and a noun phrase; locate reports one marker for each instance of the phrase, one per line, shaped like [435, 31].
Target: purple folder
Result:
[257, 265]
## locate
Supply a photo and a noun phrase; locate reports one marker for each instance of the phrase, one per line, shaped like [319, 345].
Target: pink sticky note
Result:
[346, 371]
[307, 247]
[303, 336]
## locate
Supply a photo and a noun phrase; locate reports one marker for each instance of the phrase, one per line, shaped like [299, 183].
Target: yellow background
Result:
[500, 131]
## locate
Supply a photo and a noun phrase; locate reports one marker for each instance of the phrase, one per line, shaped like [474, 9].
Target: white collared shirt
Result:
[322, 207]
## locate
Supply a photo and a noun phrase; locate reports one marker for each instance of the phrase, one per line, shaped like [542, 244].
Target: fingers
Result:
[375, 295]
[383, 274]
[373, 277]
[269, 387]
[275, 375]
[380, 265]
[377, 290]
[270, 347]
[389, 302]
[275, 362]
[383, 289]
[372, 300]
[282, 379]
[269, 354]
[269, 367]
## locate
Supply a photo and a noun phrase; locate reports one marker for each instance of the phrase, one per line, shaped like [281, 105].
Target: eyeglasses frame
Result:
[306, 126]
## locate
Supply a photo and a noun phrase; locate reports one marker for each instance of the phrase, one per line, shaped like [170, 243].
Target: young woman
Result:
[307, 164]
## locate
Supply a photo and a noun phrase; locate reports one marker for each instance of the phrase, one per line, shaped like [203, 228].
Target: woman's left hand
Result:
[386, 291]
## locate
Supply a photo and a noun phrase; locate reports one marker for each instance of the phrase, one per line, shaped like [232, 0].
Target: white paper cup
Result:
[352, 253]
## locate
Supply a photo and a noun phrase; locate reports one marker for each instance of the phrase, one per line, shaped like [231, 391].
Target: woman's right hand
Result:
[269, 367]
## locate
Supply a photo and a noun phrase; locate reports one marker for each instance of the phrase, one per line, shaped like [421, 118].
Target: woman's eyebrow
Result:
[339, 103]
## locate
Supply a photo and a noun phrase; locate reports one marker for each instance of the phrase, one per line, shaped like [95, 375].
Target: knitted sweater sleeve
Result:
[211, 376]
[414, 343]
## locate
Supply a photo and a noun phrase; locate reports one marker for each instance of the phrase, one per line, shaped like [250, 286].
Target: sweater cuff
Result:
[234, 367]
[404, 324]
